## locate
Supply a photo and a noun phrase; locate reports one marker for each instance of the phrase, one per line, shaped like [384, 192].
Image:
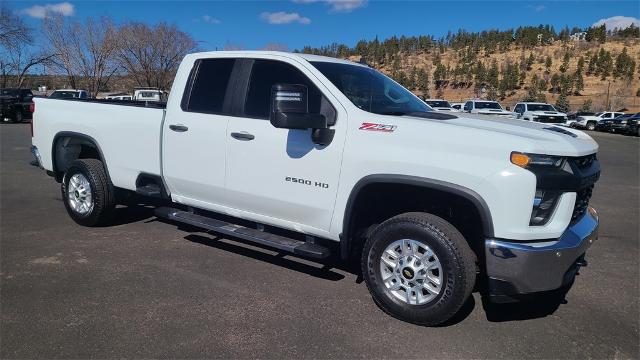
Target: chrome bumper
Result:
[525, 267]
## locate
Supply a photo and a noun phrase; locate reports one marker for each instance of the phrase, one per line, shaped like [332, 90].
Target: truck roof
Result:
[250, 53]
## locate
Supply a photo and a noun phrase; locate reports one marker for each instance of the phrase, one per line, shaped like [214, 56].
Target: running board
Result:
[260, 237]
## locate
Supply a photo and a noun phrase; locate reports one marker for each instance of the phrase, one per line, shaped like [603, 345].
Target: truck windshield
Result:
[540, 107]
[65, 94]
[439, 104]
[488, 105]
[370, 90]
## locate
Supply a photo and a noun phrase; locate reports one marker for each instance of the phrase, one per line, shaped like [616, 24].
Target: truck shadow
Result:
[334, 269]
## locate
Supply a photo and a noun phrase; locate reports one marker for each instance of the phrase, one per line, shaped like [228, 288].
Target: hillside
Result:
[592, 68]
[622, 92]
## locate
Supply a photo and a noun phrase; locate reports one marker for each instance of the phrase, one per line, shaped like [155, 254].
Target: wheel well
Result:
[377, 202]
[68, 148]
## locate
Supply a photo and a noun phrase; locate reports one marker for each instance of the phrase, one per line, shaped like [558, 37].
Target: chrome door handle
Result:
[178, 128]
[244, 136]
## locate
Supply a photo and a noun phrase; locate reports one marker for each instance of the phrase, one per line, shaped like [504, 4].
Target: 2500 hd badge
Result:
[307, 182]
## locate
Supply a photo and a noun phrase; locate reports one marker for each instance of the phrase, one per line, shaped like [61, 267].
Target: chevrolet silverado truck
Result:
[590, 122]
[299, 152]
[15, 105]
[487, 107]
[540, 112]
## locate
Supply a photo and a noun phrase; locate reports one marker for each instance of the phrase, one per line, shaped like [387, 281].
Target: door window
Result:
[207, 92]
[265, 74]
[468, 106]
[519, 109]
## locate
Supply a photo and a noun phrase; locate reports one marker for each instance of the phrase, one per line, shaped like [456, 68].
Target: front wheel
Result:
[87, 193]
[591, 126]
[418, 268]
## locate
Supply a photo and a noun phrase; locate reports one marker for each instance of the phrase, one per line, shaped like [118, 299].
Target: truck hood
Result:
[529, 136]
[494, 112]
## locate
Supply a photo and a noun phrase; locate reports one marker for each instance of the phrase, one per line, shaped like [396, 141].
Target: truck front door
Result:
[281, 174]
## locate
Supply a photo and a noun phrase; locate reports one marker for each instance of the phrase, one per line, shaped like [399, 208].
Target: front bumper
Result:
[516, 268]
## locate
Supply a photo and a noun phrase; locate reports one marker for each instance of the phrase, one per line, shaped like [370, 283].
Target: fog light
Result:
[544, 203]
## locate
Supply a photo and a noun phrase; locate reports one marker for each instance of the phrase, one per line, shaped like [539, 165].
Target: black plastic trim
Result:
[79, 136]
[475, 198]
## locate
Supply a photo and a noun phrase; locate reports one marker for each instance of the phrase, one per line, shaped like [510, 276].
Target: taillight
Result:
[32, 107]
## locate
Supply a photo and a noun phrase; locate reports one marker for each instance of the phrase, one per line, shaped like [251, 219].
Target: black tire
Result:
[456, 258]
[591, 126]
[101, 190]
[18, 118]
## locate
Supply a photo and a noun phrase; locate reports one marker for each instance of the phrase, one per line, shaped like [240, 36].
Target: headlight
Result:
[527, 160]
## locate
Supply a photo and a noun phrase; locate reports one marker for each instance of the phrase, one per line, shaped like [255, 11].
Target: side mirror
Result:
[290, 108]
[508, 108]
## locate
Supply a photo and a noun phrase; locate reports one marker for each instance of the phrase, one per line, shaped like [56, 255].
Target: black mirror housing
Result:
[290, 108]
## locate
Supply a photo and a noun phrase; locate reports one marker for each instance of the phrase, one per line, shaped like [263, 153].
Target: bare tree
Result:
[151, 55]
[85, 52]
[18, 54]
[276, 47]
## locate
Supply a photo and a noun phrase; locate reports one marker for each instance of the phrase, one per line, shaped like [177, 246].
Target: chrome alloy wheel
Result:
[79, 194]
[411, 271]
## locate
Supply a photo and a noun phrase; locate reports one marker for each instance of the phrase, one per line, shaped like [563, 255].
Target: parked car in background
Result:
[439, 105]
[617, 124]
[69, 94]
[633, 125]
[16, 105]
[119, 97]
[486, 107]
[591, 122]
[457, 106]
[572, 118]
[149, 94]
[539, 112]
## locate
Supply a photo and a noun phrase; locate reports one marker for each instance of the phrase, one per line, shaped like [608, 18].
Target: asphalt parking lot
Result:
[144, 288]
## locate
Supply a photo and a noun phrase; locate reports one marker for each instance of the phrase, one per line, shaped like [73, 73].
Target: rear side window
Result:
[209, 86]
[265, 74]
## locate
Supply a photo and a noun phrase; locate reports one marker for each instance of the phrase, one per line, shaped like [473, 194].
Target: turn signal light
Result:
[519, 159]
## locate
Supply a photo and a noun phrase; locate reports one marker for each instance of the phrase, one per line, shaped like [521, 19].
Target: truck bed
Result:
[126, 132]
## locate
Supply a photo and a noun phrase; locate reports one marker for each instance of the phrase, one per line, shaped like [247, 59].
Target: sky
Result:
[296, 23]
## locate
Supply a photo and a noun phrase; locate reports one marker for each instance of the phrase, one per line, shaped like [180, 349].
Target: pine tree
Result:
[565, 63]
[586, 105]
[422, 82]
[530, 60]
[562, 104]
[548, 63]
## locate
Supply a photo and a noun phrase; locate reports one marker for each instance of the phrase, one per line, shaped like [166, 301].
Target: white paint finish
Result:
[211, 170]
[127, 135]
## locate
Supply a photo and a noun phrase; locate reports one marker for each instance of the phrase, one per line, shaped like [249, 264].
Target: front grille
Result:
[584, 162]
[550, 119]
[582, 202]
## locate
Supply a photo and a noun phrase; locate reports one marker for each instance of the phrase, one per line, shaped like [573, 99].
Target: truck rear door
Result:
[195, 134]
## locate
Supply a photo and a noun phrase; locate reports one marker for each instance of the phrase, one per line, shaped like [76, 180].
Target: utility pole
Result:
[608, 105]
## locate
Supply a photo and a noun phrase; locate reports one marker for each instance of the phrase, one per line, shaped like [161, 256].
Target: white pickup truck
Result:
[539, 112]
[297, 152]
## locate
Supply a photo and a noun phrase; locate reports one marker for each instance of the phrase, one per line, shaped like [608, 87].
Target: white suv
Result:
[539, 112]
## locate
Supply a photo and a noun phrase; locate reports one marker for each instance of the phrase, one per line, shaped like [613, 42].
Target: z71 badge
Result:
[378, 127]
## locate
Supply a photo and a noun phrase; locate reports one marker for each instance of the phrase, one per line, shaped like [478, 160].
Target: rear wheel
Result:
[418, 268]
[88, 193]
